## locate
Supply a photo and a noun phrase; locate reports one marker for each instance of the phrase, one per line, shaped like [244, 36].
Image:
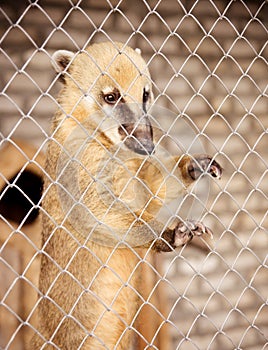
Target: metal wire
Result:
[208, 61]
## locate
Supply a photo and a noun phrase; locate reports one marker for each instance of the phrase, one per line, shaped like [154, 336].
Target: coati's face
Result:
[113, 84]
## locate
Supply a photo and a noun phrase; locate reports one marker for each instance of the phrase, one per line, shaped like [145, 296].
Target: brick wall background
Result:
[208, 61]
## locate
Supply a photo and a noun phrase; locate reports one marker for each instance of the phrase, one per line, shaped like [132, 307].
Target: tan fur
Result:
[90, 291]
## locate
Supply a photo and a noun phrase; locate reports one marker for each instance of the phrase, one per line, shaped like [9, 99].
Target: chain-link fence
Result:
[208, 62]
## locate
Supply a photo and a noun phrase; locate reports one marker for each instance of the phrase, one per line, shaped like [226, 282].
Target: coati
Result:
[103, 188]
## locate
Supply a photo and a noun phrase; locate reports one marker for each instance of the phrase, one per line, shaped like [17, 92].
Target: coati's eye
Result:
[110, 98]
[146, 95]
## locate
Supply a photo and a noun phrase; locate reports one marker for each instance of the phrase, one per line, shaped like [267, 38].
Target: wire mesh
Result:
[208, 61]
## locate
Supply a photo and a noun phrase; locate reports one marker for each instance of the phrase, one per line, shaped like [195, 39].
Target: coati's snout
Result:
[135, 129]
[138, 138]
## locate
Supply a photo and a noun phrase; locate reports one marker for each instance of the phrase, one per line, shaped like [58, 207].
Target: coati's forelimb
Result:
[180, 235]
[192, 167]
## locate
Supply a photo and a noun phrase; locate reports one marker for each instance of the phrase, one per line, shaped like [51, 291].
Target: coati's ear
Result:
[138, 50]
[61, 59]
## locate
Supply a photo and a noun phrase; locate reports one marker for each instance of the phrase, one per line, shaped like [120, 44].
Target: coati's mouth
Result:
[138, 138]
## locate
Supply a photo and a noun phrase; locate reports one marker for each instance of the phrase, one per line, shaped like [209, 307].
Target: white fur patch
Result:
[107, 124]
[61, 59]
[89, 102]
[108, 89]
[113, 134]
[147, 88]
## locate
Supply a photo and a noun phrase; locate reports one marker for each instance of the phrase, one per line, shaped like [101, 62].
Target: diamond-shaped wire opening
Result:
[208, 62]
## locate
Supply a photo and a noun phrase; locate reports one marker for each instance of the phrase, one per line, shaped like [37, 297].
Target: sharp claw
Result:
[216, 171]
[191, 225]
[199, 229]
[183, 229]
[209, 232]
[202, 229]
[187, 229]
[202, 164]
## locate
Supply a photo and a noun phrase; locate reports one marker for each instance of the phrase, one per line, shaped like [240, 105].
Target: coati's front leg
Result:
[180, 235]
[191, 169]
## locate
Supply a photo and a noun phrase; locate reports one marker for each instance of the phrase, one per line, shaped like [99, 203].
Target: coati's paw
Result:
[186, 230]
[203, 164]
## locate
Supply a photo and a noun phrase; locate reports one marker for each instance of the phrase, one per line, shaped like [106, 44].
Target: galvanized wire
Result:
[243, 257]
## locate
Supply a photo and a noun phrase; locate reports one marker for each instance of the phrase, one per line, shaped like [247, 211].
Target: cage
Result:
[208, 61]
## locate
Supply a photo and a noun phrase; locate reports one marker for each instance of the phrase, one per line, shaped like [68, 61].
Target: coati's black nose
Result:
[142, 147]
[138, 138]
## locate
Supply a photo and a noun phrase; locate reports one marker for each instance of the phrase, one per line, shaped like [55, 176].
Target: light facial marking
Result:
[89, 101]
[107, 90]
[111, 96]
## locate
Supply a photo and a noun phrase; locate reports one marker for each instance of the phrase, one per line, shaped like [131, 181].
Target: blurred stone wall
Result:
[208, 61]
